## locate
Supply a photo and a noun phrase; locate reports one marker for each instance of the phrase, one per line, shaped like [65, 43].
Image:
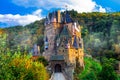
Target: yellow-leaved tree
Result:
[21, 67]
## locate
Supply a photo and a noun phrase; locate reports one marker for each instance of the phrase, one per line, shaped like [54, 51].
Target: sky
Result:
[23, 12]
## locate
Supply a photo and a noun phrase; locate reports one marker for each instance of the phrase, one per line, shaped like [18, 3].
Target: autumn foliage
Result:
[19, 67]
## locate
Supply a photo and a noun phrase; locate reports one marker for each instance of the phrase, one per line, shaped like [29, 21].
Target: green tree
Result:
[108, 72]
[3, 42]
[43, 60]
[91, 70]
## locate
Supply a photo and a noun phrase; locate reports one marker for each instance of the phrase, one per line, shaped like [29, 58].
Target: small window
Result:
[80, 45]
[59, 50]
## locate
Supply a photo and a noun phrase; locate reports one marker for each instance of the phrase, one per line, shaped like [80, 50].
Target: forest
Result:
[100, 33]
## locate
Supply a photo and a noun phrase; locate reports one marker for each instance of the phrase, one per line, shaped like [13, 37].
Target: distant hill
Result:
[25, 36]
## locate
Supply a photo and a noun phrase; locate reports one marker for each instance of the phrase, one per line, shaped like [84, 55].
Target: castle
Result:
[63, 43]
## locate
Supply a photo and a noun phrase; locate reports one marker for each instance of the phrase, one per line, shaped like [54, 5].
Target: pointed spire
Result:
[75, 44]
[46, 21]
[46, 39]
[67, 19]
[48, 18]
[53, 19]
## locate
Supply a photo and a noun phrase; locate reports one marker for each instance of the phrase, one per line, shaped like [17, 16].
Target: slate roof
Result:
[65, 32]
[75, 44]
[46, 39]
[68, 19]
[57, 57]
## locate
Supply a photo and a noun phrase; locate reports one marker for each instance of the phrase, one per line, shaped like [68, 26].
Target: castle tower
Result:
[52, 25]
[63, 43]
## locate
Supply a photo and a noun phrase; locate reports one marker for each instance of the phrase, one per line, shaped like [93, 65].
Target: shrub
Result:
[19, 67]
[91, 70]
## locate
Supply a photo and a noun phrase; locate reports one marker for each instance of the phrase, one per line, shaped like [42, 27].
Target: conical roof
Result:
[67, 18]
[46, 39]
[75, 44]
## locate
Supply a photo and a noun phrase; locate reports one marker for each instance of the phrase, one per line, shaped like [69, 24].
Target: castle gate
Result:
[57, 63]
[58, 68]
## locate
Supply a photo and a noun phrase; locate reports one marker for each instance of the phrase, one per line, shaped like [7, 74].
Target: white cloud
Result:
[99, 8]
[18, 19]
[102, 9]
[79, 5]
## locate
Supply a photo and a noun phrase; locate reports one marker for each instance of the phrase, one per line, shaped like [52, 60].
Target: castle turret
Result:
[53, 18]
[36, 50]
[59, 16]
[46, 43]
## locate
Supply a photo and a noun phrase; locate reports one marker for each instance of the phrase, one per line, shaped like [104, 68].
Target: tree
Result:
[108, 72]
[91, 70]
[19, 67]
[3, 41]
[43, 60]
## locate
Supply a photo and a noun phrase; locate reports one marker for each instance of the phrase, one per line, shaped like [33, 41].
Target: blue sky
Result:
[23, 12]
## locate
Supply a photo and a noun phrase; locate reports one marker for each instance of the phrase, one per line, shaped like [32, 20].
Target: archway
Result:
[58, 68]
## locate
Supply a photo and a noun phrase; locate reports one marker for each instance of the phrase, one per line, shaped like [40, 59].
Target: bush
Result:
[43, 60]
[18, 67]
[108, 72]
[91, 70]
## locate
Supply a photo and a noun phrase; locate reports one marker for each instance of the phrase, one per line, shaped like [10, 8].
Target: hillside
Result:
[100, 32]
[25, 37]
